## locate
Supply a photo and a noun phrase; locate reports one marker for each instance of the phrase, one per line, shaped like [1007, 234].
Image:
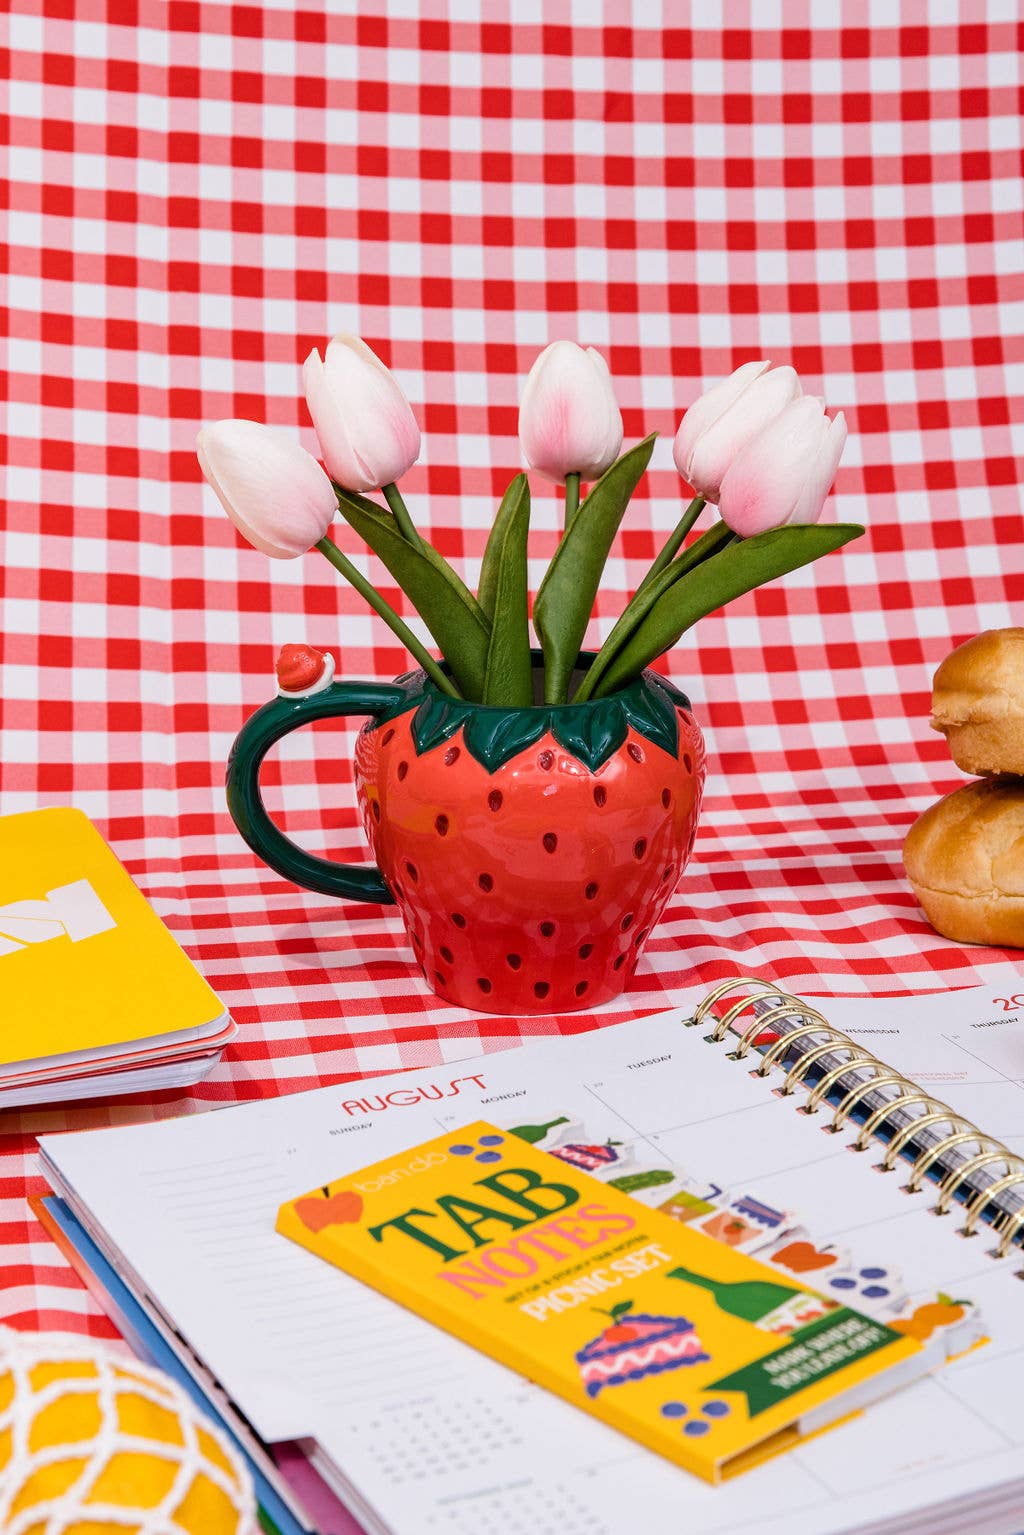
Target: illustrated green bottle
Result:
[749, 1299]
[534, 1133]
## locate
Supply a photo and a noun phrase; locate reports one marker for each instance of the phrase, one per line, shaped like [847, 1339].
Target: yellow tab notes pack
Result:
[672, 1337]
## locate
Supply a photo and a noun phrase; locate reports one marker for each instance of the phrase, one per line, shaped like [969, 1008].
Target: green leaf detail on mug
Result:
[437, 719]
[655, 724]
[495, 736]
[590, 732]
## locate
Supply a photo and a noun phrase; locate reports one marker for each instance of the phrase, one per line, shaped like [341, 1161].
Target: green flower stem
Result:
[329, 549]
[675, 541]
[633, 614]
[393, 497]
[711, 542]
[740, 566]
[572, 498]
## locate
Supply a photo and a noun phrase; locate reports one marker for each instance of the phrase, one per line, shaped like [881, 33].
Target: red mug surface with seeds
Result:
[530, 850]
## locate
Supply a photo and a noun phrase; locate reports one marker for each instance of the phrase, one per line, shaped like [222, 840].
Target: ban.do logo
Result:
[74, 911]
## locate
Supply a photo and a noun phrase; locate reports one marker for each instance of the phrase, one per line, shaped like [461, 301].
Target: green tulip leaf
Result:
[508, 680]
[566, 597]
[736, 569]
[644, 599]
[491, 564]
[445, 604]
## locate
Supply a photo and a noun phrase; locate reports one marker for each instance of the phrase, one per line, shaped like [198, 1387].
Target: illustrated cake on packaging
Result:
[590, 1159]
[636, 1346]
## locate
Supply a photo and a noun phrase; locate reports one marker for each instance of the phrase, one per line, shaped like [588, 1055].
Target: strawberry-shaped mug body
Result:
[530, 851]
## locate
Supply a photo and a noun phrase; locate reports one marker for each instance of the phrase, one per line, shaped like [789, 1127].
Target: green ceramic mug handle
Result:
[276, 719]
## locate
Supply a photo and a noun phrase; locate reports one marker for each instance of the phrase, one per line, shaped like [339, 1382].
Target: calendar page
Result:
[434, 1437]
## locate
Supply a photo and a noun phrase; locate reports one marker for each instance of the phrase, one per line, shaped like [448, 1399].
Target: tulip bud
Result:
[725, 418]
[275, 492]
[784, 474]
[569, 422]
[368, 433]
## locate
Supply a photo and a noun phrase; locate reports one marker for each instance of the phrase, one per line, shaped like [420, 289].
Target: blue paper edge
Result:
[145, 1340]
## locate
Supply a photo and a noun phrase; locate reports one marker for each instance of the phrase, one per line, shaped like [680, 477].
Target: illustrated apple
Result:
[803, 1258]
[339, 1209]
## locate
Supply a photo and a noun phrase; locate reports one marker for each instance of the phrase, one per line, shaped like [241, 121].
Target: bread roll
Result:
[978, 702]
[965, 860]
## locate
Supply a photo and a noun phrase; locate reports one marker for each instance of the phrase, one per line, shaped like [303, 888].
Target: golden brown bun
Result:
[978, 702]
[965, 860]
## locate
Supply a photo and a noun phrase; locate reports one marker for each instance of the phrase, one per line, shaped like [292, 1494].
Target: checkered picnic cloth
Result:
[198, 193]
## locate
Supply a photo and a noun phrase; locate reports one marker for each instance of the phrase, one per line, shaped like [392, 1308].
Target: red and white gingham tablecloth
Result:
[197, 193]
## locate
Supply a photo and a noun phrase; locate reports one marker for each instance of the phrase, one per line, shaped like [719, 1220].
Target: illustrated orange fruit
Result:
[95, 1444]
[910, 1328]
[939, 1313]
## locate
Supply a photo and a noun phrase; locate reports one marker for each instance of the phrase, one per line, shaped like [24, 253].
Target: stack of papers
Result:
[98, 997]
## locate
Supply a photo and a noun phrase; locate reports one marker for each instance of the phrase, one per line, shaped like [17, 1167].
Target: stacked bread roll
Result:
[965, 855]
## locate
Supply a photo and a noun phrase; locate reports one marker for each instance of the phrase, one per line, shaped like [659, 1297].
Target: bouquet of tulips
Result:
[753, 445]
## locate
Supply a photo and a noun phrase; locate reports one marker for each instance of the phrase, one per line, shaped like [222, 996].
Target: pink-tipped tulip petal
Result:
[708, 407]
[275, 492]
[761, 401]
[368, 433]
[765, 484]
[569, 422]
[823, 471]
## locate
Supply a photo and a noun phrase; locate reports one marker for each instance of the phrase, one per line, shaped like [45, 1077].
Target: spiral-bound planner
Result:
[915, 1125]
[868, 1149]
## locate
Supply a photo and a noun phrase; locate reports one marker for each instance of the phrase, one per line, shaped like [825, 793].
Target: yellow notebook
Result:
[695, 1349]
[85, 962]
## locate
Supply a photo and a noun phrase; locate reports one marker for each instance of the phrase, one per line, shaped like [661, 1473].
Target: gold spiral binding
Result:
[800, 1067]
[964, 1174]
[985, 1196]
[821, 1089]
[728, 1018]
[723, 990]
[853, 1097]
[1010, 1233]
[775, 1052]
[1008, 1225]
[874, 1121]
[940, 1116]
[764, 1021]
[935, 1153]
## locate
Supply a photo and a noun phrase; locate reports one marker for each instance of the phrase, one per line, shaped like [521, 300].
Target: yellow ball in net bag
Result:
[95, 1444]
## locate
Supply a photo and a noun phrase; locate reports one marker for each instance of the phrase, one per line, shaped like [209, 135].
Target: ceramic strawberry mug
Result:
[529, 850]
[529, 810]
